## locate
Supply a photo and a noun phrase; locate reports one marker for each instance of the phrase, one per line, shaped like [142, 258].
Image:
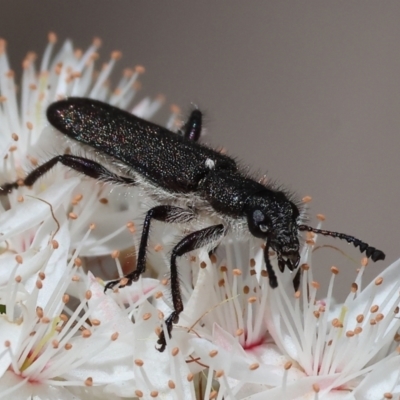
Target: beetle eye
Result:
[258, 216]
[263, 228]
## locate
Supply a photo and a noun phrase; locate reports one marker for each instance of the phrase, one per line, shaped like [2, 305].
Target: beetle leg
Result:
[273, 281]
[297, 280]
[191, 130]
[169, 214]
[189, 243]
[83, 165]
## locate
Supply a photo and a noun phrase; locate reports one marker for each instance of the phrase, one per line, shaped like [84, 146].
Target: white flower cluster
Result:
[62, 337]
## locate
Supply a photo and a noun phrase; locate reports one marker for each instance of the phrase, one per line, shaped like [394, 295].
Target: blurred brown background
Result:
[306, 90]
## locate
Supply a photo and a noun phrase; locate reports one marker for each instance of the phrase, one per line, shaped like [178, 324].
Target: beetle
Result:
[189, 181]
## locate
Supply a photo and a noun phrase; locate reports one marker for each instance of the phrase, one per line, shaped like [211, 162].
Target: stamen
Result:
[322, 328]
[52, 39]
[141, 376]
[208, 393]
[173, 120]
[124, 87]
[104, 75]
[316, 391]
[286, 367]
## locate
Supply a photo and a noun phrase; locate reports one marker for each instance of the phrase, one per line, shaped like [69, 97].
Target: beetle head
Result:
[271, 216]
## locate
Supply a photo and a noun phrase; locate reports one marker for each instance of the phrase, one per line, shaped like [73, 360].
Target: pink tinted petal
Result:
[226, 341]
[105, 309]
[27, 391]
[235, 365]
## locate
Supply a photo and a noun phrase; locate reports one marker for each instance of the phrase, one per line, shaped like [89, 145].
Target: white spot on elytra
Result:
[210, 163]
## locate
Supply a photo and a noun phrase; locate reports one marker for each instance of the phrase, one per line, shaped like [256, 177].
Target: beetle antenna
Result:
[370, 251]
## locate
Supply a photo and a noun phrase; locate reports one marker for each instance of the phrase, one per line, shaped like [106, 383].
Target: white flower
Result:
[278, 344]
